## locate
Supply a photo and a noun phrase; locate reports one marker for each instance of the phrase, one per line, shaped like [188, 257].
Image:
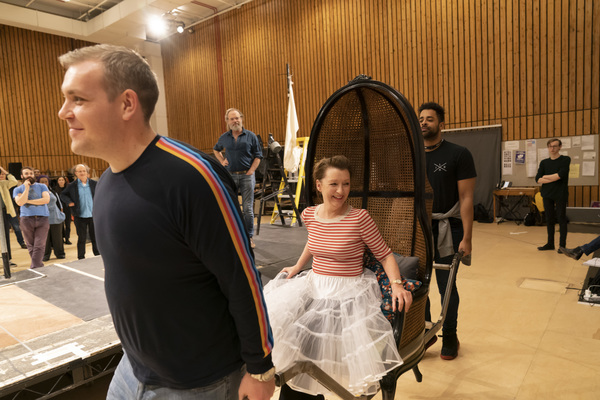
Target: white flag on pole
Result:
[292, 154]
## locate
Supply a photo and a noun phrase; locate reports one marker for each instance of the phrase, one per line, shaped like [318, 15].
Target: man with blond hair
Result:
[182, 288]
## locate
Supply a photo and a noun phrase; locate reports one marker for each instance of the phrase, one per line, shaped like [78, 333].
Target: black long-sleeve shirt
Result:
[557, 190]
[181, 284]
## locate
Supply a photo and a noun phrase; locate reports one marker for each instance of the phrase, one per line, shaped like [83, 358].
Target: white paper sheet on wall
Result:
[507, 163]
[511, 145]
[587, 142]
[588, 168]
[531, 157]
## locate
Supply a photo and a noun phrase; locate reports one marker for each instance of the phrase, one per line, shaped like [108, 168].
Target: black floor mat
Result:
[80, 294]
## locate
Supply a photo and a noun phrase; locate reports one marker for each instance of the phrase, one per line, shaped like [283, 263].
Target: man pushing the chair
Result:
[451, 173]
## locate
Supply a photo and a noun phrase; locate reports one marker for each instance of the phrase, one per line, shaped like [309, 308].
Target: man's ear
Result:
[130, 104]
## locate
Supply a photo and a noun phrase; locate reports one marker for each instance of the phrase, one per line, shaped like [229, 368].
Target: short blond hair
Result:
[123, 69]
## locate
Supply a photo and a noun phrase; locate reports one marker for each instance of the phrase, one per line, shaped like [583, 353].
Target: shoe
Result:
[559, 251]
[68, 242]
[23, 245]
[546, 247]
[60, 257]
[45, 259]
[12, 264]
[575, 253]
[252, 243]
[431, 342]
[450, 346]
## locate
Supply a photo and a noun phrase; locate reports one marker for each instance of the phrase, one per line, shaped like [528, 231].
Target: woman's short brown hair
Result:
[339, 162]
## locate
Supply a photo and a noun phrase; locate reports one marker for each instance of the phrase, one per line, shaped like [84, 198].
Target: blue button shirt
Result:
[241, 152]
[86, 202]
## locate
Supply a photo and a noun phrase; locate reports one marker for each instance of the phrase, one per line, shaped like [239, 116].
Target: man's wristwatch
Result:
[265, 376]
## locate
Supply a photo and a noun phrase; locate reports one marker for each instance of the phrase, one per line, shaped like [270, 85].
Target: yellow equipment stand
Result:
[303, 143]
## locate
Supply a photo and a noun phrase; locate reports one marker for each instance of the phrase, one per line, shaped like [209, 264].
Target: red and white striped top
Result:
[338, 244]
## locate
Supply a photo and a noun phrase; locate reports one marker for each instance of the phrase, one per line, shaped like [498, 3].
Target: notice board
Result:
[521, 159]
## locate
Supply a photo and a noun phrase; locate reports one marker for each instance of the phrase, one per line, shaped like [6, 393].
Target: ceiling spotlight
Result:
[180, 27]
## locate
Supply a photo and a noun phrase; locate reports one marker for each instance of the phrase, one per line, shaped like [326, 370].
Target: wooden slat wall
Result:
[532, 66]
[30, 97]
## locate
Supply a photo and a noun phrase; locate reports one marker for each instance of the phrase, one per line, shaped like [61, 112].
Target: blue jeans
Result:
[245, 184]
[591, 247]
[125, 386]
[14, 222]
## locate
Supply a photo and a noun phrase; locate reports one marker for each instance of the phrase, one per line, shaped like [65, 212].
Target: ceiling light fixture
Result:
[180, 27]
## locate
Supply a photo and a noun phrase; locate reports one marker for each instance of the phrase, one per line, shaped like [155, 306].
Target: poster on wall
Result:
[520, 157]
[531, 157]
[507, 164]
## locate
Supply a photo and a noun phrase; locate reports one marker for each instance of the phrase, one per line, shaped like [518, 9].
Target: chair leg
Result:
[388, 387]
[418, 374]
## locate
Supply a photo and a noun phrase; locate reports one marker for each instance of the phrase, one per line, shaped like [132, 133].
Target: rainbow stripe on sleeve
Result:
[234, 225]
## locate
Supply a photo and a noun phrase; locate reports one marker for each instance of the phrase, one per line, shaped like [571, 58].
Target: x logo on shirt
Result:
[439, 167]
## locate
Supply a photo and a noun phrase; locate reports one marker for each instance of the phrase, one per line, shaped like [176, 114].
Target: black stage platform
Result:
[56, 332]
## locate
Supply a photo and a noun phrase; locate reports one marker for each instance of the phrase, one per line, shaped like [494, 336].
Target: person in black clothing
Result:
[61, 184]
[553, 174]
[182, 288]
[451, 173]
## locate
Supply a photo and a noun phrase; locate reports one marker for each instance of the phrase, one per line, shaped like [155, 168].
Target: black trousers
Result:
[83, 225]
[67, 223]
[55, 241]
[6, 232]
[287, 393]
[554, 210]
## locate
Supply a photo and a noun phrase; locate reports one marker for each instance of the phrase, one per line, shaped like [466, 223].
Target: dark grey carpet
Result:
[78, 294]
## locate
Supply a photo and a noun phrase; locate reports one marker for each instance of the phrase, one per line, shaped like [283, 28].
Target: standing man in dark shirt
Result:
[553, 174]
[79, 196]
[451, 173]
[182, 288]
[243, 153]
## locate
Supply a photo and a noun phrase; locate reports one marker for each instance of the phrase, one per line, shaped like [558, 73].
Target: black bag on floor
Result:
[480, 214]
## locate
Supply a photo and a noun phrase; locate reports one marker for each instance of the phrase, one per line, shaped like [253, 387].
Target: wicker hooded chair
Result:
[376, 128]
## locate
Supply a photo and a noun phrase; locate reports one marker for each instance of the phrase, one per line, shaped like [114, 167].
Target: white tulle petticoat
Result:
[335, 322]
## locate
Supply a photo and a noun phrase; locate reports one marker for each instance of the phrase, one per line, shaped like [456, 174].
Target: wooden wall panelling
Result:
[550, 43]
[485, 56]
[455, 105]
[543, 58]
[445, 54]
[501, 60]
[478, 39]
[495, 43]
[471, 65]
[535, 62]
[461, 76]
[533, 66]
[528, 61]
[564, 17]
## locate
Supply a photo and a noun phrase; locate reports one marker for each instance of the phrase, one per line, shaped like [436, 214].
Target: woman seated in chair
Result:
[331, 315]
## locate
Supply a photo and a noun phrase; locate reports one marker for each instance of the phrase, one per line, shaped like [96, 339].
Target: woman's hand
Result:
[401, 296]
[291, 271]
